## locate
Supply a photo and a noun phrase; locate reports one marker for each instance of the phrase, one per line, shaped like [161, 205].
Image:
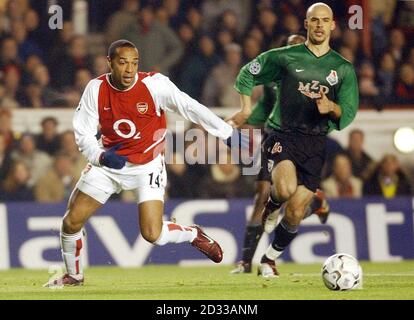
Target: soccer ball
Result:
[342, 272]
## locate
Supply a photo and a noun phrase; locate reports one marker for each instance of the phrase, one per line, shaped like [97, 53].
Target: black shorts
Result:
[307, 153]
[264, 173]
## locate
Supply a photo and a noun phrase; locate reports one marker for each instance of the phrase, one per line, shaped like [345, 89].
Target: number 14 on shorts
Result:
[154, 183]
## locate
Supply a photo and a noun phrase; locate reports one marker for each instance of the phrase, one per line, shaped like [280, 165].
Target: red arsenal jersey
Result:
[130, 118]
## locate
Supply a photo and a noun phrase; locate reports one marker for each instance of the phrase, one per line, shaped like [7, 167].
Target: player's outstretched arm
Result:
[264, 69]
[240, 117]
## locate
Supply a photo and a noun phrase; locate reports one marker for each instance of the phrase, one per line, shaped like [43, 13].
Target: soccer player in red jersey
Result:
[129, 107]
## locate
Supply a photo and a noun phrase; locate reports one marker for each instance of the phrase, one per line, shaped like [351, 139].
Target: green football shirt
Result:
[300, 75]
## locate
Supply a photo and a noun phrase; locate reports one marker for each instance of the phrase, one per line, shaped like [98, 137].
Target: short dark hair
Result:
[119, 44]
[356, 131]
[49, 119]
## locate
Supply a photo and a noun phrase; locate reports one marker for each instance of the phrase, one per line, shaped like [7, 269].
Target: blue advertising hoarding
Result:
[370, 229]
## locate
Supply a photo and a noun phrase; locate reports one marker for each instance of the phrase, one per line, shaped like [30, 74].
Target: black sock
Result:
[252, 237]
[274, 203]
[284, 234]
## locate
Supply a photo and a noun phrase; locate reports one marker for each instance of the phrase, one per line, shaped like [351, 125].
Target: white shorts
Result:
[148, 181]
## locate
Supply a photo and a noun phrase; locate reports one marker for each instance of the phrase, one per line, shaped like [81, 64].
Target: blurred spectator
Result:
[388, 180]
[178, 178]
[37, 161]
[82, 78]
[404, 15]
[342, 184]
[397, 44]
[56, 184]
[224, 180]
[32, 97]
[223, 38]
[30, 65]
[368, 89]
[351, 40]
[251, 49]
[218, 89]
[212, 9]
[195, 20]
[296, 7]
[268, 24]
[291, 24]
[362, 163]
[195, 69]
[405, 85]
[347, 53]
[42, 77]
[69, 147]
[159, 47]
[121, 20]
[386, 77]
[6, 130]
[31, 22]
[228, 21]
[12, 78]
[161, 15]
[9, 53]
[48, 140]
[188, 39]
[5, 158]
[60, 46]
[171, 8]
[333, 148]
[38, 93]
[26, 46]
[75, 58]
[15, 185]
[100, 65]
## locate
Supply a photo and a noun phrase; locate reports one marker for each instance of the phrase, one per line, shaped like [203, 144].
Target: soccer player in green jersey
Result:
[317, 92]
[254, 230]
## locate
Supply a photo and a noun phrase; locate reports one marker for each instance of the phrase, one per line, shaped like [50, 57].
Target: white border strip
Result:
[4, 239]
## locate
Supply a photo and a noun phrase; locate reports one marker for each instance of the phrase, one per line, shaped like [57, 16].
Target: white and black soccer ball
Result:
[342, 272]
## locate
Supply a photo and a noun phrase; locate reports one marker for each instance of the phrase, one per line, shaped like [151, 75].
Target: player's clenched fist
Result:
[112, 160]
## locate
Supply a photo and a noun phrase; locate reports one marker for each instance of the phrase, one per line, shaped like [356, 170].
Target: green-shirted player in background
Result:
[317, 92]
[254, 229]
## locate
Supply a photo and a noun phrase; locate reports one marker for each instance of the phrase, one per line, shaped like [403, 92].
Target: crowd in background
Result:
[201, 46]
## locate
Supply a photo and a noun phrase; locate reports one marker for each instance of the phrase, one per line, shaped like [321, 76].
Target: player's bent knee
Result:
[150, 234]
[70, 226]
[285, 190]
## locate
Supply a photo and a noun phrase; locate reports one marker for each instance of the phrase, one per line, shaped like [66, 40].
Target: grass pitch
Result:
[381, 281]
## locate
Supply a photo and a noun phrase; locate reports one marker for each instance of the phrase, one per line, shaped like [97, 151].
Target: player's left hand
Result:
[238, 140]
[325, 105]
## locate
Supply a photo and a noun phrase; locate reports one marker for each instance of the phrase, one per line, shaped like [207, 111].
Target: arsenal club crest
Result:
[142, 107]
[332, 78]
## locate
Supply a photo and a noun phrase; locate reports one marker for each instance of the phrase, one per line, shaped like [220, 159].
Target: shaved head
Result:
[319, 24]
[319, 8]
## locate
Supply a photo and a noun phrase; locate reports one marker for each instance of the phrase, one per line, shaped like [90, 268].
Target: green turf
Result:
[381, 281]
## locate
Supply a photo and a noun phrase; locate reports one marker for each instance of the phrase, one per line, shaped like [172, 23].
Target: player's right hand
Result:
[238, 119]
[110, 159]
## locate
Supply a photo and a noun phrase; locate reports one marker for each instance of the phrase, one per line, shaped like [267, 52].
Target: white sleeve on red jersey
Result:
[168, 97]
[86, 121]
